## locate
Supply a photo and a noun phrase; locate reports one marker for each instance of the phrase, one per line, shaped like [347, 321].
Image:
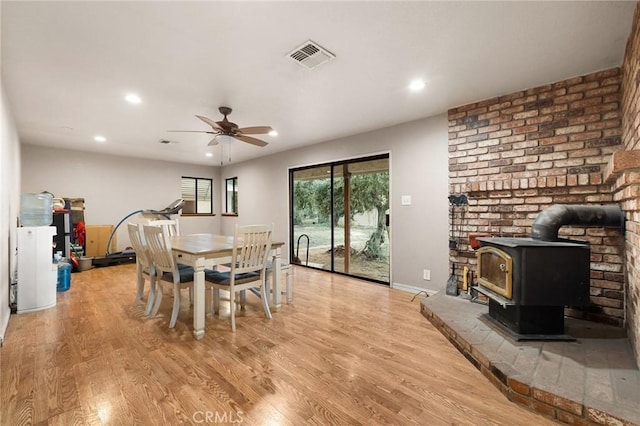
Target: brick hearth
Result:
[594, 380]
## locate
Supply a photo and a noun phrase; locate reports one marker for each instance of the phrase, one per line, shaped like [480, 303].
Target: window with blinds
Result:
[197, 194]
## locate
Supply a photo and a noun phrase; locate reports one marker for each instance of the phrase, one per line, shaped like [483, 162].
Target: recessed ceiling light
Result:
[133, 98]
[416, 85]
[209, 154]
[273, 133]
[99, 138]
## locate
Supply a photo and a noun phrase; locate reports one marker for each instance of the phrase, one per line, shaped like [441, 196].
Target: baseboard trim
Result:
[413, 289]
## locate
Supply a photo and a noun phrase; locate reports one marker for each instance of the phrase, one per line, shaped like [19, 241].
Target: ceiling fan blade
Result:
[192, 131]
[213, 141]
[210, 122]
[255, 130]
[253, 141]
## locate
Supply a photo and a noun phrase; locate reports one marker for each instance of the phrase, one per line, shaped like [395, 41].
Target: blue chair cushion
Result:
[186, 274]
[224, 278]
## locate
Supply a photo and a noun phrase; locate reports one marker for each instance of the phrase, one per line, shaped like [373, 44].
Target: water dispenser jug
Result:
[36, 209]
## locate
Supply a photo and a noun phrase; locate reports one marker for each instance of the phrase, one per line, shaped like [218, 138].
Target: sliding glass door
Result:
[339, 217]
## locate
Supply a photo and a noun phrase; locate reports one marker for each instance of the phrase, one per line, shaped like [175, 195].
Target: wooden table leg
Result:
[198, 299]
[277, 264]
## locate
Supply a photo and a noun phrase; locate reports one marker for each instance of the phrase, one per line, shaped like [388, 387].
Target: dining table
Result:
[205, 251]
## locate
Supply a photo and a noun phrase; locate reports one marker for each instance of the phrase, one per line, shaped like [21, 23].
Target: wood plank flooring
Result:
[346, 352]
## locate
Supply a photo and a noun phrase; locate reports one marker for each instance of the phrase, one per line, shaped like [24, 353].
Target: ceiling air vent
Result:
[310, 54]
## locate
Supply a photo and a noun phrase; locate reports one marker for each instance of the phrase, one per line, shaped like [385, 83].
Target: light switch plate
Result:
[406, 200]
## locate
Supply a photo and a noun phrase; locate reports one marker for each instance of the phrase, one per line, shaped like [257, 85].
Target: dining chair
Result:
[173, 227]
[159, 242]
[139, 244]
[144, 265]
[251, 247]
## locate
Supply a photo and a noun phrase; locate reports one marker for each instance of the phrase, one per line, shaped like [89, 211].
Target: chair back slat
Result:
[159, 243]
[252, 244]
[171, 224]
[139, 244]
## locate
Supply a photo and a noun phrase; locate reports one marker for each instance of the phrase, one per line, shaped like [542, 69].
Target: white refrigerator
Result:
[37, 274]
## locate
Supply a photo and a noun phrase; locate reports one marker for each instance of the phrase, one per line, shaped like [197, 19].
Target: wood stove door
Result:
[495, 270]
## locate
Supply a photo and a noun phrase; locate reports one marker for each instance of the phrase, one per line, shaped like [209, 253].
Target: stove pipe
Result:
[549, 221]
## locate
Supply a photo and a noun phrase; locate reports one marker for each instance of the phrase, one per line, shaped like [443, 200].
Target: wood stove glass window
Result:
[494, 270]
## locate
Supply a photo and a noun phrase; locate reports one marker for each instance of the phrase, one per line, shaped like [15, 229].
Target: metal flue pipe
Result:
[550, 220]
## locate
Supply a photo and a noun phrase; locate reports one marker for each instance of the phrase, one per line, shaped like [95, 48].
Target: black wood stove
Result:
[529, 281]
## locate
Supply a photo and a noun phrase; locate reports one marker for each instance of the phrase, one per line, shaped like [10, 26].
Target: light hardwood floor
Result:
[345, 352]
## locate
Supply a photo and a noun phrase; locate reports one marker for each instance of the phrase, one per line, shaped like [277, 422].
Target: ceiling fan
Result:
[228, 128]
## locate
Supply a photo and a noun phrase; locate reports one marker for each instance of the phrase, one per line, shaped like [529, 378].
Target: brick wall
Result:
[515, 155]
[624, 173]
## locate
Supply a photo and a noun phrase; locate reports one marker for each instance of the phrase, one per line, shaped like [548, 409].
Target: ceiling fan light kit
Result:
[221, 139]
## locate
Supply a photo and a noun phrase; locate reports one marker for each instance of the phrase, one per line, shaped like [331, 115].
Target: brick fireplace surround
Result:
[575, 141]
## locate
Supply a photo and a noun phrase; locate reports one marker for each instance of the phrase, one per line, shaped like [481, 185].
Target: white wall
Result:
[419, 167]
[113, 187]
[9, 200]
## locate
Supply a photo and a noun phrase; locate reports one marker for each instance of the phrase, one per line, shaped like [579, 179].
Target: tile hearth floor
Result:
[594, 379]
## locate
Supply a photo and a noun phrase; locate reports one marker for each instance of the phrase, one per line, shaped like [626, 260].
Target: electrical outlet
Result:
[426, 274]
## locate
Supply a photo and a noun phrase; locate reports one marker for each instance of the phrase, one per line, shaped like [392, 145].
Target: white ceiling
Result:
[66, 66]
